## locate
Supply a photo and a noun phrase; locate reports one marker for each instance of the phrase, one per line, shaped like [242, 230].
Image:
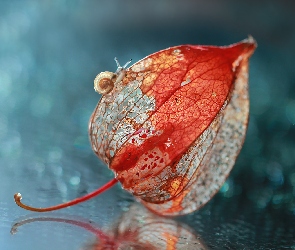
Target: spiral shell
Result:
[104, 82]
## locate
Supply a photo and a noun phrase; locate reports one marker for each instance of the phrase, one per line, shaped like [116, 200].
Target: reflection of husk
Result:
[147, 229]
[136, 229]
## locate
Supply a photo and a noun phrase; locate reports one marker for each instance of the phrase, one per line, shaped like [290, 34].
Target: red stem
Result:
[18, 197]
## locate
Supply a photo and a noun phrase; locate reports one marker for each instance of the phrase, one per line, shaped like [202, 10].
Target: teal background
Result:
[50, 52]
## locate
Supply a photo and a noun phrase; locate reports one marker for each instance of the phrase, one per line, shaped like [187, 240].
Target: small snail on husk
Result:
[105, 81]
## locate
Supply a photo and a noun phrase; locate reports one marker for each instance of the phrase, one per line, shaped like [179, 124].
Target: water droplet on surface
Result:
[57, 170]
[75, 180]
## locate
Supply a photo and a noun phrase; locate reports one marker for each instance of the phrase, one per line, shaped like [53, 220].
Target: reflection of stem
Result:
[86, 225]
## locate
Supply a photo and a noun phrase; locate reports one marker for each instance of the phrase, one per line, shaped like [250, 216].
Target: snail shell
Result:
[104, 82]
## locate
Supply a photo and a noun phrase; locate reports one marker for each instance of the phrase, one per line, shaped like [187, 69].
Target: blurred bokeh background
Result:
[50, 52]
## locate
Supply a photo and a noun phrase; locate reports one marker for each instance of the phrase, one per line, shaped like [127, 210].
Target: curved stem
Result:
[18, 197]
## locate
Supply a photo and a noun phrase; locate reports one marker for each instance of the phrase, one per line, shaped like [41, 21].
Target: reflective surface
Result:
[49, 55]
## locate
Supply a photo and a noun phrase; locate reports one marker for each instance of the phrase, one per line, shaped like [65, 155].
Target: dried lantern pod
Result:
[171, 126]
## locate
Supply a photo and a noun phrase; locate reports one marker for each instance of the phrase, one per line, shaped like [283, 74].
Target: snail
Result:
[171, 125]
[105, 81]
